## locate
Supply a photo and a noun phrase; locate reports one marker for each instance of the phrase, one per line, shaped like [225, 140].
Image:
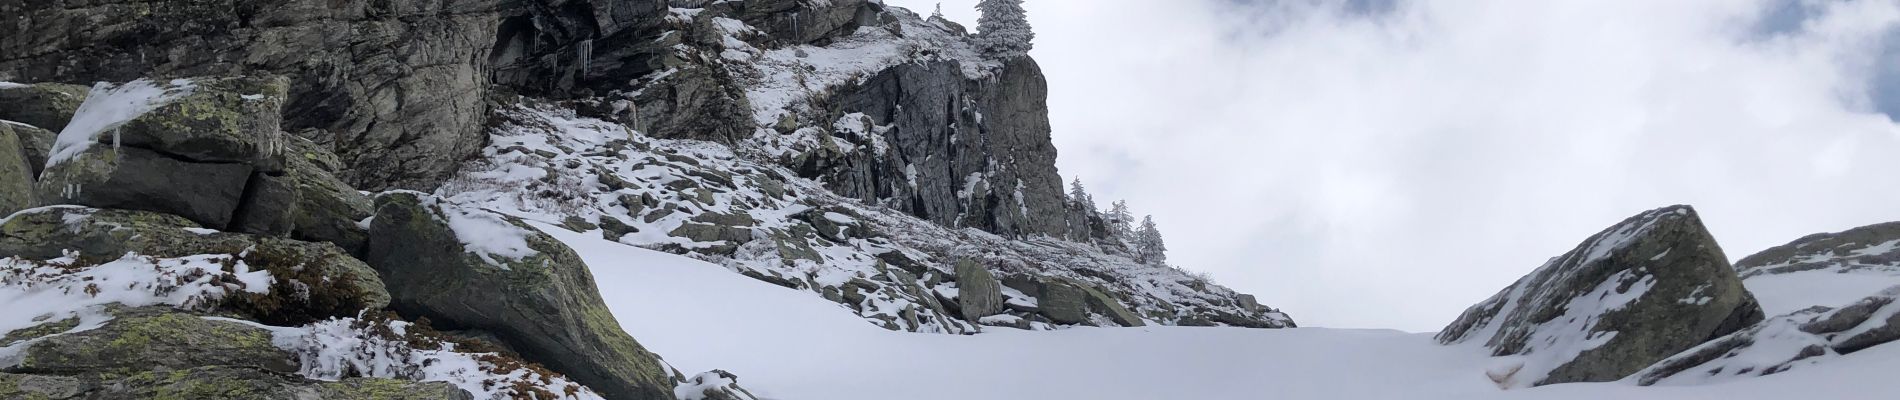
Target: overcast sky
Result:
[1385, 164]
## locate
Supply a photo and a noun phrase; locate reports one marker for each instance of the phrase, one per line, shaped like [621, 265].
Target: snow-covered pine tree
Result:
[1003, 30]
[1080, 196]
[1149, 247]
[1120, 221]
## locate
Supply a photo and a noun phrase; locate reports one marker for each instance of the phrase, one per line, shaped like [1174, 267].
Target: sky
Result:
[1388, 163]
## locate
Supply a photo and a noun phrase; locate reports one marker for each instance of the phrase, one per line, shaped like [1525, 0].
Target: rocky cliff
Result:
[240, 166]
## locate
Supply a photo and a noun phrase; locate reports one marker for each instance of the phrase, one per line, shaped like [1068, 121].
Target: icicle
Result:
[586, 50]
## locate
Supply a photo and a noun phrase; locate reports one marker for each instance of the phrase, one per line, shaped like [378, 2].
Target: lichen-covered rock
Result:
[35, 387]
[1871, 248]
[16, 174]
[36, 143]
[242, 382]
[978, 293]
[473, 269]
[1653, 285]
[326, 209]
[312, 281]
[154, 338]
[1799, 339]
[139, 179]
[212, 120]
[46, 105]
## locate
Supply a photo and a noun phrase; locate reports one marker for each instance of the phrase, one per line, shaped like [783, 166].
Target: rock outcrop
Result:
[312, 280]
[1785, 342]
[1868, 248]
[47, 105]
[960, 151]
[473, 269]
[1653, 285]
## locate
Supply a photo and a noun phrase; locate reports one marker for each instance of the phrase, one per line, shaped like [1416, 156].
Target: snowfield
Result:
[789, 345]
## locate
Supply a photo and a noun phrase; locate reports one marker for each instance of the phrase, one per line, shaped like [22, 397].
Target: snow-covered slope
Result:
[760, 220]
[1826, 269]
[791, 346]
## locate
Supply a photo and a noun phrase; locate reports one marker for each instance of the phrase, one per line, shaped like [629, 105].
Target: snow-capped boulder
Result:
[468, 268]
[978, 293]
[45, 105]
[311, 280]
[1872, 248]
[1795, 340]
[16, 174]
[186, 147]
[1648, 287]
[149, 338]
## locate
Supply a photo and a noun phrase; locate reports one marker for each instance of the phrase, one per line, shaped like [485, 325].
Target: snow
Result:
[109, 106]
[41, 292]
[10, 85]
[785, 344]
[349, 347]
[487, 234]
[1789, 292]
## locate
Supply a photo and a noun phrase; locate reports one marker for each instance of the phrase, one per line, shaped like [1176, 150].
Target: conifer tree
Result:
[1003, 30]
[1081, 196]
[1149, 247]
[1120, 221]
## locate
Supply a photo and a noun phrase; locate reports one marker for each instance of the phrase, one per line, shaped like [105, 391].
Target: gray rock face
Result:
[402, 97]
[1872, 247]
[139, 179]
[540, 300]
[948, 128]
[1783, 343]
[979, 294]
[1654, 285]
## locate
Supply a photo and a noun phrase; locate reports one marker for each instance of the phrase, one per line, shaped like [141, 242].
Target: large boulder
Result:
[978, 293]
[45, 105]
[1872, 248]
[466, 268]
[1069, 301]
[185, 147]
[1795, 340]
[312, 281]
[16, 174]
[1651, 286]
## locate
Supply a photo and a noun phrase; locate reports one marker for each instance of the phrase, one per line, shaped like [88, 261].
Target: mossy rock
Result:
[139, 179]
[48, 106]
[230, 382]
[16, 172]
[148, 338]
[222, 120]
[313, 281]
[544, 305]
[36, 143]
[40, 387]
[327, 208]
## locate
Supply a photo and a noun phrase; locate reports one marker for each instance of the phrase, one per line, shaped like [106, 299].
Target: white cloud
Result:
[1389, 168]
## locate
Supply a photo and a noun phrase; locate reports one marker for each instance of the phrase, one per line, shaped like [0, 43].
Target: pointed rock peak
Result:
[1650, 286]
[1872, 248]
